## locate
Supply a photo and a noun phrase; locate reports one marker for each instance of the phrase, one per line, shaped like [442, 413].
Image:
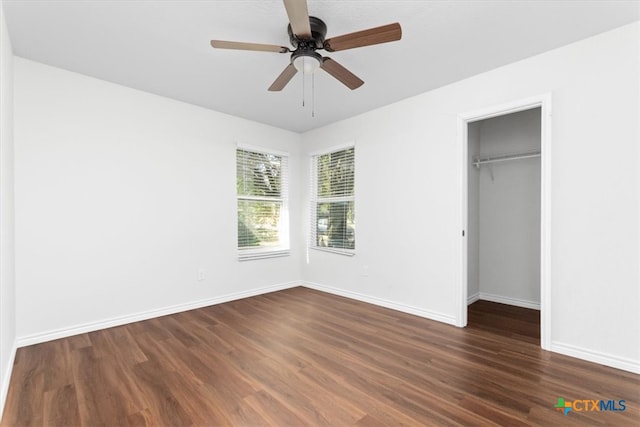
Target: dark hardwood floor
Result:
[301, 357]
[505, 320]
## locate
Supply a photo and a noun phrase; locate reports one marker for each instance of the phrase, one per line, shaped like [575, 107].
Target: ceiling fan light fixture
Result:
[307, 62]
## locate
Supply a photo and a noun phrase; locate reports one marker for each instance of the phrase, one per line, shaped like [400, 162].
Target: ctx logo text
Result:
[585, 405]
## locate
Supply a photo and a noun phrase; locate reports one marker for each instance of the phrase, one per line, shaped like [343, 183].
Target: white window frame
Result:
[314, 199]
[283, 249]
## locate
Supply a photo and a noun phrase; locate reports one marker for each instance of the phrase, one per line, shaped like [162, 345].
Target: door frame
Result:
[544, 103]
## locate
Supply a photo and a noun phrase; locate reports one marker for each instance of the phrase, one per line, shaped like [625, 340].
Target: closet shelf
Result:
[504, 157]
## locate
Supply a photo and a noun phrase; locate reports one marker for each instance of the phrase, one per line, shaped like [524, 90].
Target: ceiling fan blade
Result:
[223, 44]
[298, 17]
[377, 35]
[284, 77]
[345, 76]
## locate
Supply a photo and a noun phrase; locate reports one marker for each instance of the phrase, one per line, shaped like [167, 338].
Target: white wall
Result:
[121, 196]
[509, 210]
[409, 204]
[7, 282]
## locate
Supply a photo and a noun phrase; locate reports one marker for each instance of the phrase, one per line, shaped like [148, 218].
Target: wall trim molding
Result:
[4, 391]
[600, 358]
[504, 300]
[145, 315]
[473, 298]
[428, 314]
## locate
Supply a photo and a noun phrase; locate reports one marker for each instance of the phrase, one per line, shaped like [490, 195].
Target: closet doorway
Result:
[505, 218]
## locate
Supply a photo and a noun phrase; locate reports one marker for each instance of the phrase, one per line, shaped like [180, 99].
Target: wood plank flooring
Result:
[505, 320]
[301, 357]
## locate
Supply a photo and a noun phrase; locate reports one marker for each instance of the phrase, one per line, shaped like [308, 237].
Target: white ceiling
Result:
[163, 47]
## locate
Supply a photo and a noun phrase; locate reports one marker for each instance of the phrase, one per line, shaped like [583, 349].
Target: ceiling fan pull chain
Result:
[303, 89]
[313, 95]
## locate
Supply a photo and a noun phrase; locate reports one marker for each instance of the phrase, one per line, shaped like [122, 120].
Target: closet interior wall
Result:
[504, 211]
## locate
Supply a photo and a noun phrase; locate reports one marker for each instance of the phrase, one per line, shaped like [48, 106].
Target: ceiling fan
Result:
[307, 36]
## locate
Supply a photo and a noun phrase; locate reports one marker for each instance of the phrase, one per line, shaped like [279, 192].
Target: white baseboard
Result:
[432, 315]
[473, 298]
[617, 362]
[7, 378]
[504, 300]
[136, 317]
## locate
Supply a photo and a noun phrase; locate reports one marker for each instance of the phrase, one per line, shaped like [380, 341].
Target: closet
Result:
[504, 209]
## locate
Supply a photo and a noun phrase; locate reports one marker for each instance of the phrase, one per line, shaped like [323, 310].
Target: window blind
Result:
[262, 191]
[333, 201]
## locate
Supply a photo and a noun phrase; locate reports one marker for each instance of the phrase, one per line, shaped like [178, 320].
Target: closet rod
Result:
[484, 160]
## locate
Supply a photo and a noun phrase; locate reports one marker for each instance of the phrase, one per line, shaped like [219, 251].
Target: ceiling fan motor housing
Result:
[318, 34]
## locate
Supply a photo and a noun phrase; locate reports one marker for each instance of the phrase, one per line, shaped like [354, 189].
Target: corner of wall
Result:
[7, 277]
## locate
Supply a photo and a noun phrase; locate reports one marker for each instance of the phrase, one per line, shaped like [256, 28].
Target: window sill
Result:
[248, 256]
[345, 252]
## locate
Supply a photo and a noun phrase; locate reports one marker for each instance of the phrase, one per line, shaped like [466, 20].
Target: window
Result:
[333, 201]
[263, 223]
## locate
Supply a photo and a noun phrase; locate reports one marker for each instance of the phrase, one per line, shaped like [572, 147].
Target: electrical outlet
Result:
[365, 270]
[201, 274]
